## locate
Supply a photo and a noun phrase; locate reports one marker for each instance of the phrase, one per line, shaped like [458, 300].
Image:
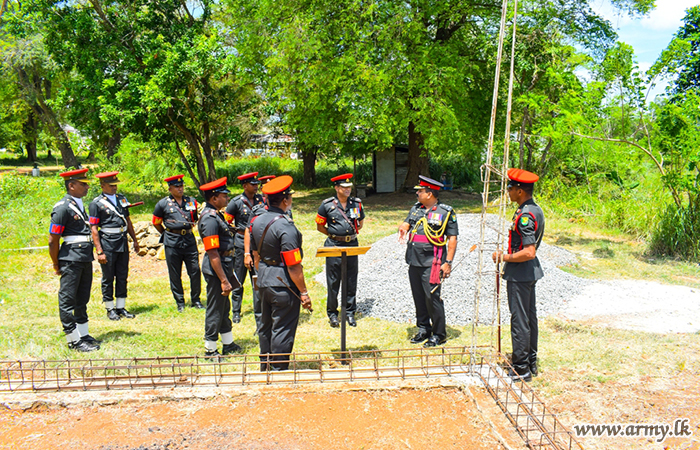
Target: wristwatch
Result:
[448, 262]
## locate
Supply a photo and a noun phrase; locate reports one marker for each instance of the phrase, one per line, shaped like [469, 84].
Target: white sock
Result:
[227, 338]
[73, 336]
[82, 329]
[121, 303]
[210, 345]
[109, 306]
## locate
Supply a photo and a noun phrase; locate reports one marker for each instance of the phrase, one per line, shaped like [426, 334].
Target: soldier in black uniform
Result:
[522, 270]
[73, 261]
[432, 226]
[238, 212]
[174, 217]
[109, 213]
[276, 247]
[341, 219]
[217, 266]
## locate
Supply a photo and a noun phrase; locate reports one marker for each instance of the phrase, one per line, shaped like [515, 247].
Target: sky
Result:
[648, 35]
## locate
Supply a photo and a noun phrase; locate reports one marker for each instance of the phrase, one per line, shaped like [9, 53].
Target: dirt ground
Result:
[317, 418]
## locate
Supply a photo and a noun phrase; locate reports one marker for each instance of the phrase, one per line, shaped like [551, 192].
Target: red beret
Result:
[522, 176]
[215, 186]
[342, 180]
[266, 178]
[175, 179]
[278, 186]
[75, 175]
[248, 178]
[108, 177]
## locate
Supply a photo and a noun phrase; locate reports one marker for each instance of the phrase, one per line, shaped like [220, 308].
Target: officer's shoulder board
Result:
[59, 203]
[357, 199]
[447, 208]
[289, 219]
[417, 205]
[329, 200]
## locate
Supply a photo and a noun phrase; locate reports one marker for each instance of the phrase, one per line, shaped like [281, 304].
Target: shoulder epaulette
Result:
[329, 199]
[418, 205]
[59, 203]
[448, 208]
[357, 199]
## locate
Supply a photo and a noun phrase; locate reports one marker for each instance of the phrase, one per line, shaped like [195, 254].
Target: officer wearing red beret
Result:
[217, 267]
[73, 260]
[238, 212]
[110, 223]
[276, 247]
[522, 270]
[175, 217]
[432, 226]
[341, 218]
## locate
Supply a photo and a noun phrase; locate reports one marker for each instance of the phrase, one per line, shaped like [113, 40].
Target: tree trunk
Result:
[30, 133]
[193, 144]
[418, 161]
[309, 155]
[187, 164]
[113, 144]
[208, 153]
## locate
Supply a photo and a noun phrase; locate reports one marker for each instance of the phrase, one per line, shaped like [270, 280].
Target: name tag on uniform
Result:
[190, 206]
[124, 202]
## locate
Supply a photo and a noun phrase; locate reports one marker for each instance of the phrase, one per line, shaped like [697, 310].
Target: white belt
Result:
[76, 239]
[113, 230]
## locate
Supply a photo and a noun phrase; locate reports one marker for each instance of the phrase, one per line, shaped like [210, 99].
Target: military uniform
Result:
[217, 235]
[342, 226]
[424, 260]
[278, 243]
[179, 219]
[238, 213]
[70, 221]
[110, 215]
[527, 229]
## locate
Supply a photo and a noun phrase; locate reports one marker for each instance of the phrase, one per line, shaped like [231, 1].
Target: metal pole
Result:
[344, 299]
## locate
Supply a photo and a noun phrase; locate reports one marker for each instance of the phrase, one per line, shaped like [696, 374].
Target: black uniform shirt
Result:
[421, 254]
[527, 229]
[67, 219]
[106, 214]
[239, 211]
[340, 221]
[216, 234]
[176, 217]
[282, 237]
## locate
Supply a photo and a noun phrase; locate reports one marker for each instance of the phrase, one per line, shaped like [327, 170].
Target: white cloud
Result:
[668, 15]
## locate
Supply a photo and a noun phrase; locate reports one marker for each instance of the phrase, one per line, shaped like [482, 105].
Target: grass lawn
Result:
[30, 328]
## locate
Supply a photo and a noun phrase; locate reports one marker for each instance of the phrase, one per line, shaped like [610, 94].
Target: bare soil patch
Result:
[445, 417]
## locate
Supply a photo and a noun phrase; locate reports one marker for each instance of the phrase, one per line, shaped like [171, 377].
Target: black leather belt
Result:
[346, 238]
[272, 262]
[182, 232]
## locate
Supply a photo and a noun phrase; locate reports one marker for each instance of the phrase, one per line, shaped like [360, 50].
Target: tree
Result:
[154, 68]
[36, 76]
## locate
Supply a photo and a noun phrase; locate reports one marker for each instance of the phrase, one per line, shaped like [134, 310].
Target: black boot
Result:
[112, 315]
[125, 314]
[230, 348]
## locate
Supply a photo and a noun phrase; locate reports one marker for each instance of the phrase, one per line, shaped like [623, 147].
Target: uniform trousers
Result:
[216, 320]
[429, 306]
[241, 272]
[74, 293]
[333, 279]
[175, 256]
[117, 266]
[523, 324]
[280, 317]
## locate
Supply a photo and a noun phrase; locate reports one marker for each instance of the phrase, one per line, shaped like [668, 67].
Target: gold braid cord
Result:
[433, 236]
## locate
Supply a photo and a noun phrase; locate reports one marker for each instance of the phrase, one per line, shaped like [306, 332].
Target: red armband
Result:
[157, 220]
[320, 219]
[228, 217]
[292, 257]
[56, 228]
[211, 242]
[94, 220]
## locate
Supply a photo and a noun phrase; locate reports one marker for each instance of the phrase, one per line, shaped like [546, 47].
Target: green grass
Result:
[30, 328]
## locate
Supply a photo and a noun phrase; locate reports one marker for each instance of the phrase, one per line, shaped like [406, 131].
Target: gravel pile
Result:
[383, 289]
